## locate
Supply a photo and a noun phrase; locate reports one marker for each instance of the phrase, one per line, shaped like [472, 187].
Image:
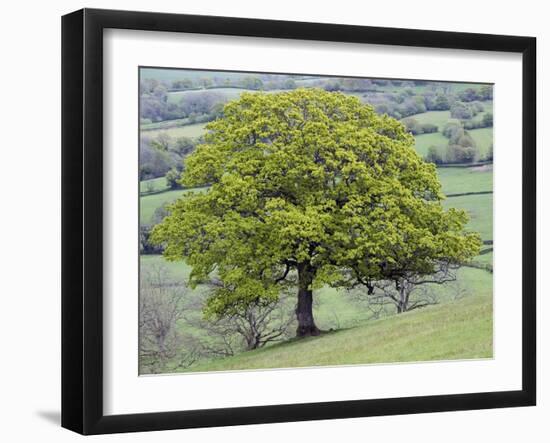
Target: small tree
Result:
[412, 125]
[428, 128]
[461, 111]
[162, 142]
[486, 92]
[434, 155]
[487, 120]
[441, 103]
[457, 153]
[172, 179]
[149, 186]
[290, 83]
[453, 129]
[183, 146]
[411, 290]
[257, 323]
[160, 309]
[468, 95]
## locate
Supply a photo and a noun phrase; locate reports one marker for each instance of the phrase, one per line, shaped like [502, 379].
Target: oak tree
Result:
[305, 186]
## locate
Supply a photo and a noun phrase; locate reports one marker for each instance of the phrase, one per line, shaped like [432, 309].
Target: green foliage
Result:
[424, 141]
[183, 146]
[441, 103]
[428, 128]
[468, 95]
[486, 92]
[412, 125]
[252, 82]
[310, 178]
[434, 155]
[487, 119]
[457, 180]
[290, 84]
[172, 179]
[461, 111]
[417, 128]
[457, 153]
[483, 138]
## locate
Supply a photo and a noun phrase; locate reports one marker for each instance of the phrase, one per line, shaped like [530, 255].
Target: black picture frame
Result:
[82, 215]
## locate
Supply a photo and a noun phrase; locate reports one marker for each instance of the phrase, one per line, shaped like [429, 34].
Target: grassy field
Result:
[461, 180]
[424, 141]
[456, 330]
[227, 93]
[480, 209]
[149, 203]
[483, 138]
[438, 118]
[180, 74]
[194, 130]
[166, 124]
[486, 258]
[459, 327]
[153, 185]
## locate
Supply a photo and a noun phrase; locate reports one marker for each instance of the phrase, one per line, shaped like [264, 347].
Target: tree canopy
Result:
[307, 188]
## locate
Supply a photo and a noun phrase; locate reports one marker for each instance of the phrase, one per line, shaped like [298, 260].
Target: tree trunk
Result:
[403, 303]
[304, 308]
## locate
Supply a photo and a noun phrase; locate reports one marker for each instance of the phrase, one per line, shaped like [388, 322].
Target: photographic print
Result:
[294, 221]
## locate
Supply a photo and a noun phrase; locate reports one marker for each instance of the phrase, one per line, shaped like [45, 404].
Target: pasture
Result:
[480, 210]
[424, 141]
[153, 185]
[225, 93]
[483, 138]
[192, 131]
[456, 330]
[164, 74]
[148, 204]
[336, 308]
[459, 325]
[460, 180]
[438, 118]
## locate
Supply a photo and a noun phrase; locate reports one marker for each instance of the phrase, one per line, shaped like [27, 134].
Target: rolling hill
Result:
[456, 330]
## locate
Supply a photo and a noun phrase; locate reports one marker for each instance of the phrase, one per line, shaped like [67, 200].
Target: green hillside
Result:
[424, 141]
[456, 330]
[192, 131]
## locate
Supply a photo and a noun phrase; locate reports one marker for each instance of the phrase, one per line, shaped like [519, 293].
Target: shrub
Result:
[172, 179]
[461, 111]
[486, 92]
[183, 146]
[441, 103]
[412, 125]
[468, 95]
[461, 154]
[487, 120]
[153, 163]
[434, 155]
[145, 246]
[452, 129]
[428, 128]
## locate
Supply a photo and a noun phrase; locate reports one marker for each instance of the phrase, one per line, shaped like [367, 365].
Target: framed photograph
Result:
[269, 221]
